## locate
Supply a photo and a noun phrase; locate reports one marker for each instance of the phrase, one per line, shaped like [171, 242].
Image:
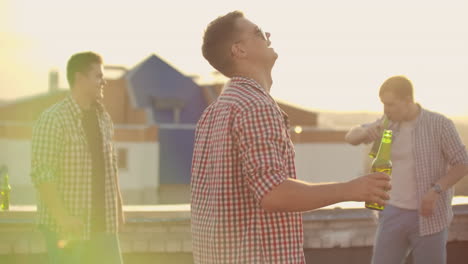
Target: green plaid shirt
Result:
[60, 154]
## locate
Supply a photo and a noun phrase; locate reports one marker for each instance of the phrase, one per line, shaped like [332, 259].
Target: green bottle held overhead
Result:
[382, 162]
[5, 189]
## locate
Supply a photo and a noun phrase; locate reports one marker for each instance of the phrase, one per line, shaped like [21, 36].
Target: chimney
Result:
[53, 81]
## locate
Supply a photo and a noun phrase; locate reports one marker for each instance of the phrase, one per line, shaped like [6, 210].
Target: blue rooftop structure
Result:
[156, 85]
[175, 103]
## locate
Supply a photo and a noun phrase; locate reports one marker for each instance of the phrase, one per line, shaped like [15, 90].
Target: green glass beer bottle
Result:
[375, 147]
[5, 189]
[382, 162]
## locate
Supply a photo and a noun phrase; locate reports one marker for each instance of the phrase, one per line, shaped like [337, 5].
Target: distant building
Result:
[155, 109]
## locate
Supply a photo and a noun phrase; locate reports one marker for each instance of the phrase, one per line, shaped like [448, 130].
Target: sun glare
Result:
[331, 56]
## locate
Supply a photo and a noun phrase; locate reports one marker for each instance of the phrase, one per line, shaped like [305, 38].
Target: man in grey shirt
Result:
[428, 159]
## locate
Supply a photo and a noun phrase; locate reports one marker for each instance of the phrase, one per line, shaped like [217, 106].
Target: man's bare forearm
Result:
[356, 136]
[454, 175]
[298, 196]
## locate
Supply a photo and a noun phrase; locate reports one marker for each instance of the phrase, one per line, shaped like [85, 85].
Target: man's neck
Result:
[83, 101]
[415, 109]
[262, 77]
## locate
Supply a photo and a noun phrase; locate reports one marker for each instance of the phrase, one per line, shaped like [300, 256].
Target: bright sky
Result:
[333, 55]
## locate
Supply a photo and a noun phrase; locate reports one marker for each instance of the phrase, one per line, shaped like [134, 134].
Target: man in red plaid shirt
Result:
[246, 201]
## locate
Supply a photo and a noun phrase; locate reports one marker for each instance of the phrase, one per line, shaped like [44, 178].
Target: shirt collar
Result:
[252, 83]
[73, 106]
[76, 110]
[248, 81]
[420, 117]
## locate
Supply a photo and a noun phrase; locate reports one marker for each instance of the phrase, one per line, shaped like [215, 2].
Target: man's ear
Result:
[78, 76]
[238, 51]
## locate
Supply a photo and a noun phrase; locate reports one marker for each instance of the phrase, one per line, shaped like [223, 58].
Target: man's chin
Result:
[275, 54]
[274, 57]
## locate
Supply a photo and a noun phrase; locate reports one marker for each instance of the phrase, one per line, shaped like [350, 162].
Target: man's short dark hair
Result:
[399, 85]
[81, 62]
[217, 41]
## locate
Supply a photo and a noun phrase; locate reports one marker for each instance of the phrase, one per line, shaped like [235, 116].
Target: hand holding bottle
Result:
[382, 163]
[370, 188]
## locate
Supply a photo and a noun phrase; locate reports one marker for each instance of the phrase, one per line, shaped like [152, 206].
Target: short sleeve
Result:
[47, 139]
[263, 144]
[453, 148]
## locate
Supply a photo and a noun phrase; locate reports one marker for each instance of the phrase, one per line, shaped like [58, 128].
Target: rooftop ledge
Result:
[181, 212]
[165, 229]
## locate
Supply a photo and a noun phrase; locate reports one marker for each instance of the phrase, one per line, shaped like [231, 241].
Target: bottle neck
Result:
[385, 146]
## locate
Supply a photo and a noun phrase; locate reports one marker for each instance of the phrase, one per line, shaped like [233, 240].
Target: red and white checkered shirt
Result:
[242, 150]
[436, 147]
[60, 154]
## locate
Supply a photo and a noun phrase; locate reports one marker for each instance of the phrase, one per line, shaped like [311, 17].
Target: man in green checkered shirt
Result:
[75, 172]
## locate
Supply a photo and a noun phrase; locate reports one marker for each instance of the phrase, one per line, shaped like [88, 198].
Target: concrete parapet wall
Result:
[166, 229]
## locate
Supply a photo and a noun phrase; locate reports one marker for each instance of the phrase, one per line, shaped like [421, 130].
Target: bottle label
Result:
[387, 171]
